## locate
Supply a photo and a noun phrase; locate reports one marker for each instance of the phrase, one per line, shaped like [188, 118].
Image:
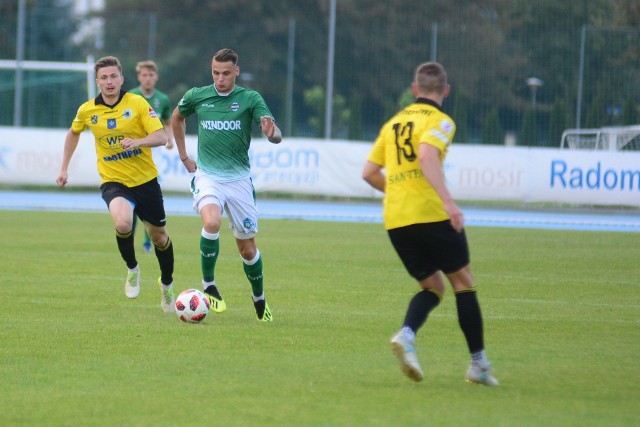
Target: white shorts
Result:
[237, 198]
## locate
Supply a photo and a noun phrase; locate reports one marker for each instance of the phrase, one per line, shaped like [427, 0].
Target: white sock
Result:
[209, 236]
[480, 359]
[409, 334]
[205, 285]
[252, 261]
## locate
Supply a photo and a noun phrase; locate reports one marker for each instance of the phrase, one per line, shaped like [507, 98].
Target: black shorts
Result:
[146, 199]
[427, 248]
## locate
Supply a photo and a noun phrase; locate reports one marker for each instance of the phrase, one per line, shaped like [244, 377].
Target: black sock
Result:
[165, 259]
[125, 245]
[470, 319]
[419, 308]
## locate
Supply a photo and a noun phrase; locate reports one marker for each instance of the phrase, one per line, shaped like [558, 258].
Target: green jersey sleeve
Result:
[259, 108]
[165, 107]
[186, 106]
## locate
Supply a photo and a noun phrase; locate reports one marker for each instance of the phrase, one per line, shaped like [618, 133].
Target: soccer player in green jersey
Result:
[423, 222]
[222, 180]
[125, 128]
[147, 72]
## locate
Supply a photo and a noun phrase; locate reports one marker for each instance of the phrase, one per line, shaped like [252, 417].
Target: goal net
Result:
[44, 93]
[615, 138]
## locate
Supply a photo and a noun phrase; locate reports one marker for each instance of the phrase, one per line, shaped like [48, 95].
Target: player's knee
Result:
[159, 237]
[248, 253]
[211, 226]
[433, 282]
[247, 249]
[438, 288]
[123, 226]
[462, 279]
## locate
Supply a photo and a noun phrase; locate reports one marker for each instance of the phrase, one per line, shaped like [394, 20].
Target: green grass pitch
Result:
[562, 328]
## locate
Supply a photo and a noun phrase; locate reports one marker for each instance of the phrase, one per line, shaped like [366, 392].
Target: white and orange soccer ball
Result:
[192, 306]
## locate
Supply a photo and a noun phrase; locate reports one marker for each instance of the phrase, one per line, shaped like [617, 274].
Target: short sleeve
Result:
[377, 152]
[185, 106]
[165, 113]
[439, 133]
[259, 108]
[150, 120]
[79, 124]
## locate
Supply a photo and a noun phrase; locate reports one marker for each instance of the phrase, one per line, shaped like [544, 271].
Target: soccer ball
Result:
[192, 306]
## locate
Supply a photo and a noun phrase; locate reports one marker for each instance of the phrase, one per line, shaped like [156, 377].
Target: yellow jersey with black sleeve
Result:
[130, 117]
[409, 198]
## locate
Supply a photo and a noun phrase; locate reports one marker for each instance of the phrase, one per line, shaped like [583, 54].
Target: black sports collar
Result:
[100, 99]
[428, 101]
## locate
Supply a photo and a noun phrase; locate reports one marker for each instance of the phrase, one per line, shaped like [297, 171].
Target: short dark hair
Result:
[107, 61]
[225, 55]
[431, 77]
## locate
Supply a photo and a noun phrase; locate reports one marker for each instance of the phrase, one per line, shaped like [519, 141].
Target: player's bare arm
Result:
[70, 145]
[154, 139]
[372, 173]
[432, 170]
[179, 126]
[169, 131]
[270, 130]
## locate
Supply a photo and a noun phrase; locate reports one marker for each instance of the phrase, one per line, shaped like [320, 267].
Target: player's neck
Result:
[147, 92]
[224, 93]
[110, 100]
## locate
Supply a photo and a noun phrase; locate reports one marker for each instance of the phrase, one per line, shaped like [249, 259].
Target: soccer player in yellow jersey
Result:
[423, 222]
[125, 128]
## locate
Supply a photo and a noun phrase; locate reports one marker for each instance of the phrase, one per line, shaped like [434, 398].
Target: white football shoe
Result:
[167, 297]
[132, 285]
[481, 375]
[406, 354]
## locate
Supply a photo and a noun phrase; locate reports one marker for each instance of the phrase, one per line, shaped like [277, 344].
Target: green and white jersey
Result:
[158, 101]
[224, 128]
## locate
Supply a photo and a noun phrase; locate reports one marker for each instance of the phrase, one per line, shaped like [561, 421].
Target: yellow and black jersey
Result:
[409, 198]
[131, 117]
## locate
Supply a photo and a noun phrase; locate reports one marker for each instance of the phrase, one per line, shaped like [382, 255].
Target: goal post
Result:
[23, 65]
[613, 138]
[85, 67]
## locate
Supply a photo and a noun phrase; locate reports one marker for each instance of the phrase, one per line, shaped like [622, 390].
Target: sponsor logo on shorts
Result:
[248, 224]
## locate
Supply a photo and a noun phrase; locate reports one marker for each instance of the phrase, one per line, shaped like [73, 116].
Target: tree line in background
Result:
[489, 47]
